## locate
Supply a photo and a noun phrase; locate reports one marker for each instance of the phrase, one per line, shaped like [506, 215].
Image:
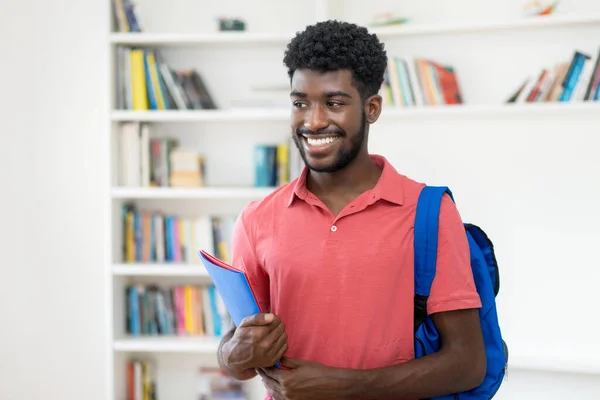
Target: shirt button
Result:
[333, 228]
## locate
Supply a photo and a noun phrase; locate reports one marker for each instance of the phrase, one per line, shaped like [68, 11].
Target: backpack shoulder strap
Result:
[425, 245]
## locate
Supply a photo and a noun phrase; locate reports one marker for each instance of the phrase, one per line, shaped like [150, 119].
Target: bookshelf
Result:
[278, 115]
[227, 135]
[237, 38]
[171, 345]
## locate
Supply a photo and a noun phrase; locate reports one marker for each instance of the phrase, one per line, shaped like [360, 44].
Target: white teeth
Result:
[321, 141]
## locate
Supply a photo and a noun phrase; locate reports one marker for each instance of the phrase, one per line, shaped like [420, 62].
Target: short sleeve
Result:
[243, 256]
[453, 287]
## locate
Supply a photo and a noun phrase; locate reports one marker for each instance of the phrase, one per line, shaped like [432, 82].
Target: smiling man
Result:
[330, 255]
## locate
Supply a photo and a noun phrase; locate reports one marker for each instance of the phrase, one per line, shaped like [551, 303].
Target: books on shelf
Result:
[215, 385]
[141, 379]
[566, 81]
[146, 82]
[146, 161]
[125, 17]
[181, 310]
[276, 164]
[410, 82]
[154, 237]
[156, 162]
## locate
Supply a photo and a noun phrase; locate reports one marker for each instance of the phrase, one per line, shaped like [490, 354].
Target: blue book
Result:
[233, 287]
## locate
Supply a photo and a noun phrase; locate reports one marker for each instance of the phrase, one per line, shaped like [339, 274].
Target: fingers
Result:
[281, 352]
[269, 374]
[279, 343]
[290, 363]
[272, 385]
[258, 319]
[277, 331]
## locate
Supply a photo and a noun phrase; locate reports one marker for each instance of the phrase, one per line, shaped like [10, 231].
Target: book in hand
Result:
[233, 287]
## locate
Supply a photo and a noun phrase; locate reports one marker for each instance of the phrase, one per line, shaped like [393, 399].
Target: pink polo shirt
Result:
[343, 285]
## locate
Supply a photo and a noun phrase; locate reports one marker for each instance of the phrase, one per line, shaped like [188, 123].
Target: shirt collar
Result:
[389, 187]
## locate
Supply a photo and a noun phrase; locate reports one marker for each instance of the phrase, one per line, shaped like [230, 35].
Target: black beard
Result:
[344, 157]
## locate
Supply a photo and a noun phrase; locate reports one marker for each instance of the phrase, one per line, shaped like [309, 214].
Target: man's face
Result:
[328, 119]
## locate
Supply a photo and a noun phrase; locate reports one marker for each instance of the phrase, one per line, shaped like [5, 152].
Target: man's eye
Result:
[298, 104]
[334, 104]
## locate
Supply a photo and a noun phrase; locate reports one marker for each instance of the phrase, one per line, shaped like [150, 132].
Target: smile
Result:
[321, 141]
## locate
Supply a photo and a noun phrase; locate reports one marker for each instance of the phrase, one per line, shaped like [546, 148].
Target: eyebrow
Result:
[336, 93]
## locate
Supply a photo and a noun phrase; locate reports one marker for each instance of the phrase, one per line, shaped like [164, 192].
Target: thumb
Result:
[258, 319]
[292, 362]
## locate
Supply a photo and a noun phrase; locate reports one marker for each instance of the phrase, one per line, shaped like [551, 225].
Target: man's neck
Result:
[360, 175]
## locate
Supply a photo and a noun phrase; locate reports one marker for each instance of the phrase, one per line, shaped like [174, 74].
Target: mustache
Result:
[306, 131]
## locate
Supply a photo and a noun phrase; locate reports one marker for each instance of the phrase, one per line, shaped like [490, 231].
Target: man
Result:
[331, 254]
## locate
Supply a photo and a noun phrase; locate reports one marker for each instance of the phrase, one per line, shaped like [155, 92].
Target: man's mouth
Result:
[319, 141]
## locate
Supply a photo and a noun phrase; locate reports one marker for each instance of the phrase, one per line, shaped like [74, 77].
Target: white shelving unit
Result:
[210, 193]
[390, 114]
[170, 345]
[228, 132]
[241, 38]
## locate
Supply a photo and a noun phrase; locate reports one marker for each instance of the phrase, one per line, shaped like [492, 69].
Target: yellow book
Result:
[188, 310]
[283, 163]
[129, 238]
[138, 80]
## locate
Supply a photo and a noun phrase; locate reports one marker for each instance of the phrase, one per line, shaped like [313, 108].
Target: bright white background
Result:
[530, 181]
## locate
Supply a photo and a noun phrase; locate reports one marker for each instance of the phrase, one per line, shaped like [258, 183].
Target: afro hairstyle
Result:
[335, 45]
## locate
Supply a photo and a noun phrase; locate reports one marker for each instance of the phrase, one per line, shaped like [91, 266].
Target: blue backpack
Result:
[487, 281]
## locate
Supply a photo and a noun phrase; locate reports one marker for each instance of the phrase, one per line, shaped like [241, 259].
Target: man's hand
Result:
[259, 341]
[300, 380]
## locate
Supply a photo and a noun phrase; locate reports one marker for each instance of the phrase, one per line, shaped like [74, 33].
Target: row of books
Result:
[412, 82]
[156, 162]
[155, 237]
[212, 383]
[146, 82]
[215, 385]
[125, 17]
[276, 165]
[141, 380]
[183, 310]
[566, 81]
[147, 161]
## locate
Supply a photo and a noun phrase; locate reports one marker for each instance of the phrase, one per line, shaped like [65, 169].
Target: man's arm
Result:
[459, 365]
[223, 353]
[235, 350]
[454, 307]
[259, 341]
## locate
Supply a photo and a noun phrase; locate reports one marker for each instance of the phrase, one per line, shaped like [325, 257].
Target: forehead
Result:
[308, 81]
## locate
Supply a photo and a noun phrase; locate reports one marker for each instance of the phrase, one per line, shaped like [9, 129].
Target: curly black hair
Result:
[334, 45]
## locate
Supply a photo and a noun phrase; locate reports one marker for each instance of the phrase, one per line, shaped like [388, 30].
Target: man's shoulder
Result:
[275, 201]
[411, 189]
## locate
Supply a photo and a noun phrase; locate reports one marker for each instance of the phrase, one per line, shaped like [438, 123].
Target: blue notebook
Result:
[233, 287]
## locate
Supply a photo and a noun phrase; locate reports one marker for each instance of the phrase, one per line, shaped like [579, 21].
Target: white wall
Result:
[52, 336]
[51, 113]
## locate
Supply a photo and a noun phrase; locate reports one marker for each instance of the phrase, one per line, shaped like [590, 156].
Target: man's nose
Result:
[316, 119]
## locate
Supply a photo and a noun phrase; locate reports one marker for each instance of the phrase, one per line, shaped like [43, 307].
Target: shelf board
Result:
[279, 115]
[552, 108]
[229, 115]
[484, 26]
[183, 39]
[169, 344]
[556, 362]
[141, 269]
[209, 193]
[409, 29]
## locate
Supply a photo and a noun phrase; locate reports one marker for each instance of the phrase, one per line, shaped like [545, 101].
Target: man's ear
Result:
[373, 108]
